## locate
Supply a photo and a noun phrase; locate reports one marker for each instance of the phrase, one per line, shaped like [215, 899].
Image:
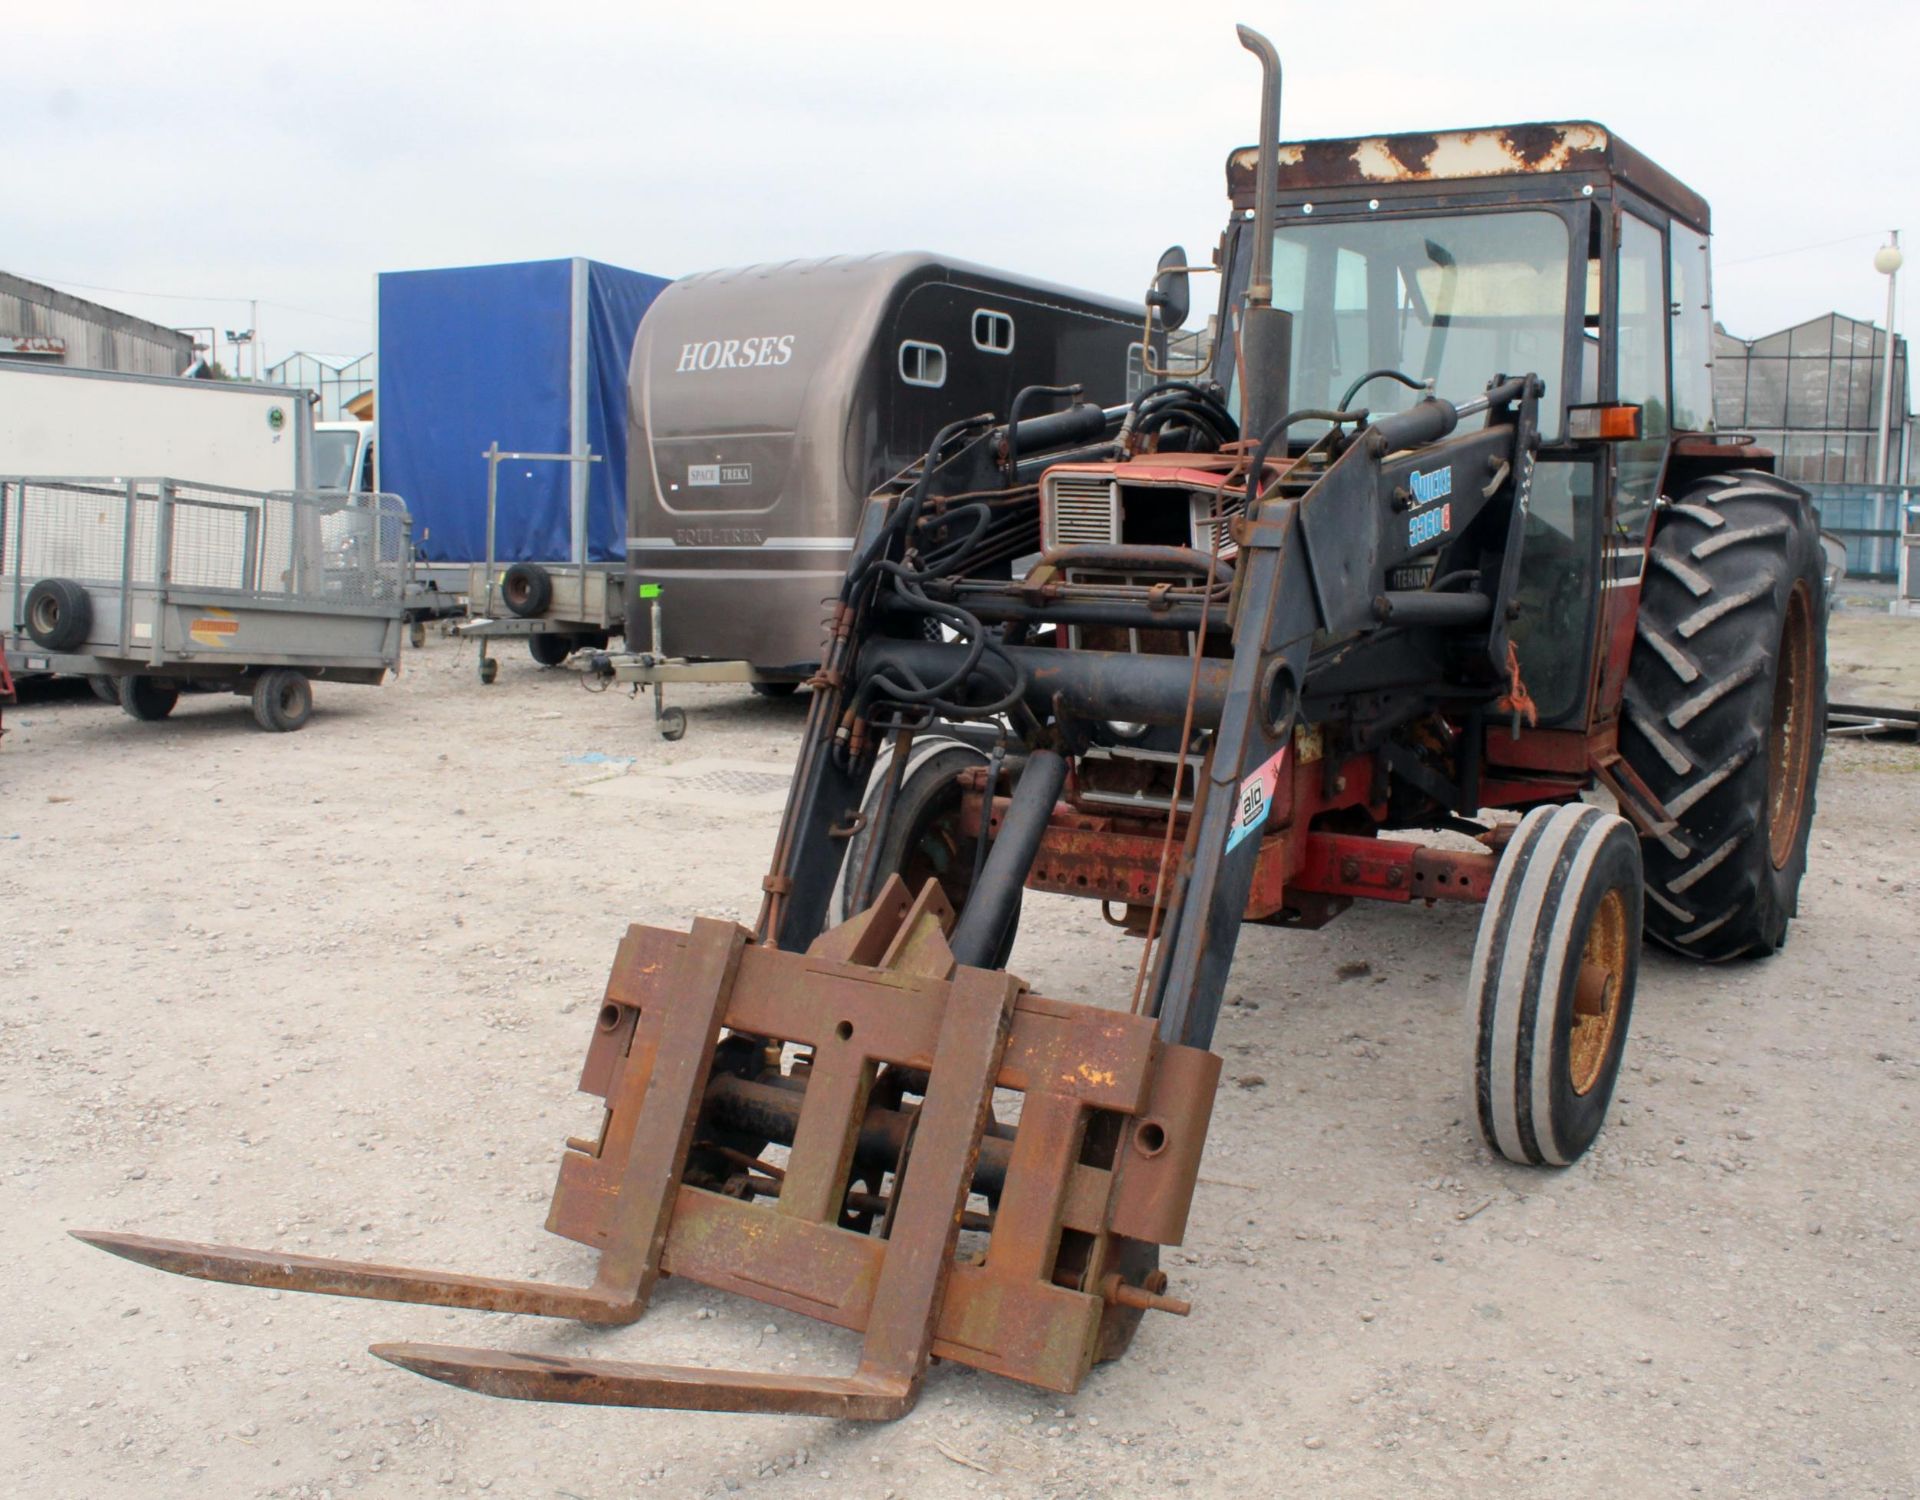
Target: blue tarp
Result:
[478, 354]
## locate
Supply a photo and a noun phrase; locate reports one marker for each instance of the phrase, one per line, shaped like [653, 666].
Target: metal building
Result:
[338, 378]
[1811, 393]
[44, 326]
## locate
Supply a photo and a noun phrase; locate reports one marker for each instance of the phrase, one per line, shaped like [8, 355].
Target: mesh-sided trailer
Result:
[159, 585]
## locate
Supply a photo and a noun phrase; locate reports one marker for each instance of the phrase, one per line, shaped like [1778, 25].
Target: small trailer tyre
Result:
[59, 614]
[550, 650]
[104, 688]
[148, 699]
[673, 723]
[489, 669]
[282, 700]
[527, 590]
[417, 634]
[1550, 994]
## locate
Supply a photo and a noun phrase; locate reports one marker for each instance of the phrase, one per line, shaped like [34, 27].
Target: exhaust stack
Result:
[1266, 332]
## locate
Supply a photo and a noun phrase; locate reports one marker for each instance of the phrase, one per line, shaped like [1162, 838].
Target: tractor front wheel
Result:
[1726, 710]
[921, 838]
[1551, 988]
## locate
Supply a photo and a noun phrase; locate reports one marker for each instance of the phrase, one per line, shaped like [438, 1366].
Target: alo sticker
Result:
[1256, 798]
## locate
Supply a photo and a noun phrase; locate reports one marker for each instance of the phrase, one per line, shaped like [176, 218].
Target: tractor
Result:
[1434, 585]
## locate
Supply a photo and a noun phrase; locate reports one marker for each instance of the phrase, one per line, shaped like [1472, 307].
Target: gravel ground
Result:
[329, 991]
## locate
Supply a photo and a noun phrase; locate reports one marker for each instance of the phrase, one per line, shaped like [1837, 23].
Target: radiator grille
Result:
[1082, 509]
[1214, 535]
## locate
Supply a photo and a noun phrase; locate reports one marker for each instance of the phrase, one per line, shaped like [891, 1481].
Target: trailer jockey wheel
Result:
[922, 838]
[1550, 993]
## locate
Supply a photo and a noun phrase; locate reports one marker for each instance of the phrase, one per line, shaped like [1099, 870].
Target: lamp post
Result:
[1887, 261]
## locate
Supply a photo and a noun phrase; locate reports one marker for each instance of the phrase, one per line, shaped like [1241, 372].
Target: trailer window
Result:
[1454, 299]
[992, 331]
[923, 364]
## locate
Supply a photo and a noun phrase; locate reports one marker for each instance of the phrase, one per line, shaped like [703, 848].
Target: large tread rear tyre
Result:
[1726, 708]
[1550, 993]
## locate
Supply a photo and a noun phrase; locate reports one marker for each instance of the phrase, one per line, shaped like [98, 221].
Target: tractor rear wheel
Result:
[1726, 711]
[1550, 994]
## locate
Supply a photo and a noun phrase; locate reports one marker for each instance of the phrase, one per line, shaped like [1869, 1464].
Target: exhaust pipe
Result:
[1266, 332]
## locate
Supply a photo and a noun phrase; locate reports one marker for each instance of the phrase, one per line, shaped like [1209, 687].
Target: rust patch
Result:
[1412, 152]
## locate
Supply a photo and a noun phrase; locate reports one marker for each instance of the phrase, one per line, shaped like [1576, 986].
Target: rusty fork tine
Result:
[591, 1382]
[348, 1278]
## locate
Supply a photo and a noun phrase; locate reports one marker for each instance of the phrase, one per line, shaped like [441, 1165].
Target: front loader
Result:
[1440, 537]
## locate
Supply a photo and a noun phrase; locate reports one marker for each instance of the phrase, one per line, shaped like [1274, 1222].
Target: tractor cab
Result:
[1421, 264]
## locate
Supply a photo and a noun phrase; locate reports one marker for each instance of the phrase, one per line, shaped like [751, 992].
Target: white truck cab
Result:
[343, 456]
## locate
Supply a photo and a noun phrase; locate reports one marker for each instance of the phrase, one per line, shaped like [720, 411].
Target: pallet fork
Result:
[1097, 1173]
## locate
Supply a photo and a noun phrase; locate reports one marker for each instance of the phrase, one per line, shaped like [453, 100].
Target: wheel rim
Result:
[1790, 737]
[938, 850]
[46, 616]
[516, 591]
[1596, 995]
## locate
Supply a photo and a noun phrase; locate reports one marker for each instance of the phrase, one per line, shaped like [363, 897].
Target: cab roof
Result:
[1486, 151]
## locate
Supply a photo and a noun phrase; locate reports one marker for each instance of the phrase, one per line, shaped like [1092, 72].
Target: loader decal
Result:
[1256, 798]
[1429, 524]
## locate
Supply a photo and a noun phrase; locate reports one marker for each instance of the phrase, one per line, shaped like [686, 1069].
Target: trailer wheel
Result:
[149, 699]
[59, 614]
[673, 723]
[1550, 993]
[527, 590]
[922, 839]
[417, 634]
[1726, 711]
[489, 669]
[282, 699]
[104, 688]
[551, 649]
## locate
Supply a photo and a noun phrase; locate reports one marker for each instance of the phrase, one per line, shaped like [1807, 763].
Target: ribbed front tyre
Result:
[1550, 994]
[1726, 710]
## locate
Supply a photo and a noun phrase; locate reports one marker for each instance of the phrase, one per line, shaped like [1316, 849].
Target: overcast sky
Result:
[213, 150]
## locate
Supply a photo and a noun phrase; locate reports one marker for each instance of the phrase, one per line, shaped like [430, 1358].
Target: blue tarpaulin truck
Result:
[525, 359]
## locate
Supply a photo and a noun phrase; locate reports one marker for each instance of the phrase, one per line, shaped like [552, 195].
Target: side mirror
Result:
[1171, 297]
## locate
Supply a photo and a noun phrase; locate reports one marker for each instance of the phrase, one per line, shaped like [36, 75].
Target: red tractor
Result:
[1440, 535]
